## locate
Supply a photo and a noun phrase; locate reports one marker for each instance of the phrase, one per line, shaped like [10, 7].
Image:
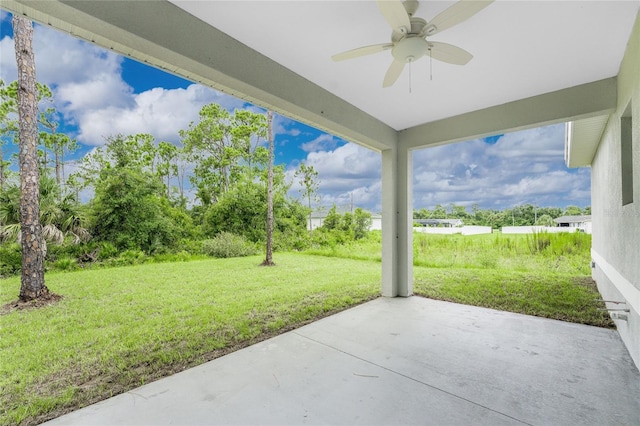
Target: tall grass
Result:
[562, 253]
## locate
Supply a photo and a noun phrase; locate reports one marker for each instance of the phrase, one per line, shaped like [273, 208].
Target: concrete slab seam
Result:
[411, 378]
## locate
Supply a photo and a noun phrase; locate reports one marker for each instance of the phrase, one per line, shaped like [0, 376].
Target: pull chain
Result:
[430, 66]
[410, 76]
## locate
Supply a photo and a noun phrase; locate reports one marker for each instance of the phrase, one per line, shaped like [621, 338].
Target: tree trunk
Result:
[32, 284]
[269, 258]
[58, 166]
[2, 166]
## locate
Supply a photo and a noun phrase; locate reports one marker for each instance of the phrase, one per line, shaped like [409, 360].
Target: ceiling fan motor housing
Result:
[410, 49]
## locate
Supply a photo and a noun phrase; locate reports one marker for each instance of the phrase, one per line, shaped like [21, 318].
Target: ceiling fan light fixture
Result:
[410, 49]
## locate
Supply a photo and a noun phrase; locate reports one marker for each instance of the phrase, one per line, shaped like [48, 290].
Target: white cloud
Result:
[347, 173]
[90, 92]
[158, 111]
[321, 143]
[521, 167]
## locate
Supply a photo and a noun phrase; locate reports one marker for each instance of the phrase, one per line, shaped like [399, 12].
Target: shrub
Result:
[107, 250]
[226, 245]
[190, 246]
[66, 264]
[290, 239]
[10, 259]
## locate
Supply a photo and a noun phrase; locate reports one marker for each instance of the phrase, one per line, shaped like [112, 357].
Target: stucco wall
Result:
[616, 228]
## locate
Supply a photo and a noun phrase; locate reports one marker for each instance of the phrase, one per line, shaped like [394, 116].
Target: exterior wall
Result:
[464, 230]
[315, 222]
[532, 229]
[616, 228]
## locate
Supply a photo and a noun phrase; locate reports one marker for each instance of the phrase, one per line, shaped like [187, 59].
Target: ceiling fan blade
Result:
[449, 53]
[361, 51]
[395, 14]
[393, 73]
[459, 12]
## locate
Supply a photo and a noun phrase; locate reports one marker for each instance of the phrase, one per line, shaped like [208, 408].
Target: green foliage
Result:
[129, 213]
[226, 245]
[106, 250]
[545, 220]
[61, 216]
[240, 211]
[224, 148]
[361, 223]
[339, 229]
[243, 211]
[66, 264]
[538, 242]
[332, 219]
[10, 259]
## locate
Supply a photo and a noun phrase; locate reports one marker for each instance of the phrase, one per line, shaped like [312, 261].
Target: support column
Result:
[397, 222]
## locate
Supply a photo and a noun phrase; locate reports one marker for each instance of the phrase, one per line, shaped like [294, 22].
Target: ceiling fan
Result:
[409, 36]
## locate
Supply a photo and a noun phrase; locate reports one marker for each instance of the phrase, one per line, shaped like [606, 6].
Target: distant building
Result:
[583, 223]
[442, 223]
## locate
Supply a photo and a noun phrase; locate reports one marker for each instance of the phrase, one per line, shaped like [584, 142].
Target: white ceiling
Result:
[520, 48]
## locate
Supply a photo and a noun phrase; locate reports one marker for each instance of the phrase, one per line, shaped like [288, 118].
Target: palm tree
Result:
[60, 216]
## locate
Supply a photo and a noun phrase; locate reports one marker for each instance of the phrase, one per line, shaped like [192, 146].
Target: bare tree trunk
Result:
[58, 167]
[32, 243]
[269, 259]
[2, 167]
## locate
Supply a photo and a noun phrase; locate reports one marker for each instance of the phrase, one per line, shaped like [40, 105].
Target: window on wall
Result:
[626, 140]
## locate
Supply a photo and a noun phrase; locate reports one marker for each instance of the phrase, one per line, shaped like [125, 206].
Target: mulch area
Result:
[47, 299]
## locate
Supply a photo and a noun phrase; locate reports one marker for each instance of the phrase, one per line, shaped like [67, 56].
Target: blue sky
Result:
[101, 94]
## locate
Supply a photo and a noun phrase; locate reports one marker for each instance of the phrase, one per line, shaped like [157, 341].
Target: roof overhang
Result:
[582, 140]
[238, 62]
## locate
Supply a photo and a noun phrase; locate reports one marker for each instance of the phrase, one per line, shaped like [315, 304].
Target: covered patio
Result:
[399, 361]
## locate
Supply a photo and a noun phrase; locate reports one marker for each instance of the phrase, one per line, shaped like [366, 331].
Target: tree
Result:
[309, 184]
[223, 147]
[167, 164]
[572, 211]
[361, 223]
[32, 281]
[60, 216]
[128, 211]
[439, 212]
[545, 220]
[332, 219]
[133, 151]
[268, 261]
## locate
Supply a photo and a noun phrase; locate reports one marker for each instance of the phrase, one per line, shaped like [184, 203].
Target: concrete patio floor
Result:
[399, 361]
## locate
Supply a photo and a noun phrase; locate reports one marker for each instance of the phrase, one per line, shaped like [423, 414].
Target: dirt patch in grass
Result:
[47, 299]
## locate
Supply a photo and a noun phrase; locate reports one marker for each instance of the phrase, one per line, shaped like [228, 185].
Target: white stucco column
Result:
[397, 223]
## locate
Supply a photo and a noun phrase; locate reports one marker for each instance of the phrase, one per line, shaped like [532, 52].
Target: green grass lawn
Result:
[118, 328]
[544, 294]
